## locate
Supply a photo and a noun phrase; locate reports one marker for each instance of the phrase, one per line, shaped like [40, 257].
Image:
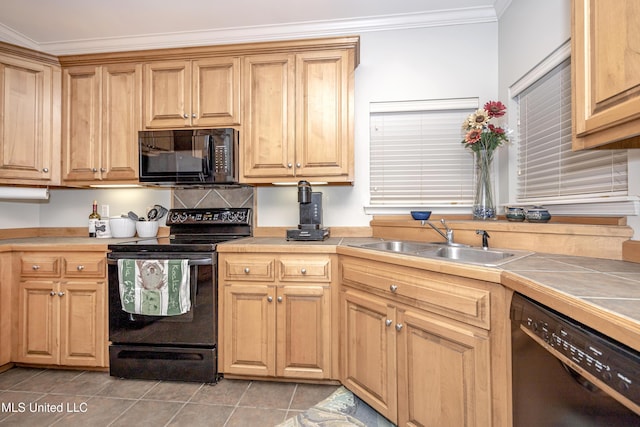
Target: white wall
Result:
[428, 63]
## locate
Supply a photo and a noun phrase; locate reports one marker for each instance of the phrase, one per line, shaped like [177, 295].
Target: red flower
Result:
[495, 129]
[473, 136]
[495, 108]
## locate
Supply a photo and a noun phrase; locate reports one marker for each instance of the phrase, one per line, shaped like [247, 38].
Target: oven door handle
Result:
[197, 261]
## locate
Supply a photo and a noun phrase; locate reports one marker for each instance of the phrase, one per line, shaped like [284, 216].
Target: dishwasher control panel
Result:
[611, 362]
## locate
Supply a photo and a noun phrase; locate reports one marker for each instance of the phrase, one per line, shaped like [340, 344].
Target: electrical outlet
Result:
[105, 211]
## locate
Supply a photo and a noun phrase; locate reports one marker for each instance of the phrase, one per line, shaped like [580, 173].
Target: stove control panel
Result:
[211, 216]
[611, 363]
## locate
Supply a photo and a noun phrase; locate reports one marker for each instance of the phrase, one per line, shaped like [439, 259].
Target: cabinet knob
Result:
[398, 326]
[270, 298]
[103, 169]
[298, 165]
[52, 293]
[393, 288]
[303, 271]
[45, 170]
[186, 116]
[80, 267]
[289, 165]
[193, 116]
[35, 267]
[247, 270]
[388, 322]
[279, 299]
[60, 294]
[94, 170]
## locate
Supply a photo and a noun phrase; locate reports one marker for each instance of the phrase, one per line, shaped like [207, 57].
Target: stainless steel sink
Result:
[397, 246]
[474, 255]
[452, 252]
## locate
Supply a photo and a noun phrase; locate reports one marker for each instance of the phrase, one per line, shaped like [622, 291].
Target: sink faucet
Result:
[485, 238]
[449, 232]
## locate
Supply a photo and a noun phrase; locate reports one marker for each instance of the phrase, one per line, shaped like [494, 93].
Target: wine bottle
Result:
[93, 218]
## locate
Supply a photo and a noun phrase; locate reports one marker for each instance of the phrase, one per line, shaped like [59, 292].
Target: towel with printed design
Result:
[154, 287]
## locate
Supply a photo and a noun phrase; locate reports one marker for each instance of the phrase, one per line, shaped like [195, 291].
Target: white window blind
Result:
[416, 157]
[547, 168]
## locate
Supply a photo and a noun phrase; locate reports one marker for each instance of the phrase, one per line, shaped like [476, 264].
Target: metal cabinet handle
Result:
[289, 165]
[388, 322]
[303, 271]
[60, 294]
[94, 170]
[103, 169]
[45, 170]
[52, 293]
[193, 116]
[393, 288]
[279, 299]
[35, 267]
[186, 116]
[247, 270]
[398, 326]
[270, 298]
[80, 267]
[298, 165]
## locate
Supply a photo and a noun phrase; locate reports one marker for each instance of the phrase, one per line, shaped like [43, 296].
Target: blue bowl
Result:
[420, 215]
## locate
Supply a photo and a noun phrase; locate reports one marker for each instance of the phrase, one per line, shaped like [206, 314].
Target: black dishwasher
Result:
[568, 375]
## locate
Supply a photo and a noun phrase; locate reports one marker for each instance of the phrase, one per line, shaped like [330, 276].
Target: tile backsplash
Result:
[215, 197]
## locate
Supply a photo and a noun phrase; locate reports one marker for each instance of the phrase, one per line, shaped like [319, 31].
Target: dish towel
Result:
[154, 287]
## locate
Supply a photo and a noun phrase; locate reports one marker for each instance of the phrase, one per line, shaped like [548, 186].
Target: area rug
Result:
[342, 408]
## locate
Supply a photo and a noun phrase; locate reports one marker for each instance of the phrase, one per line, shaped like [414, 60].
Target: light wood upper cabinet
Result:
[298, 116]
[102, 114]
[196, 93]
[29, 119]
[606, 74]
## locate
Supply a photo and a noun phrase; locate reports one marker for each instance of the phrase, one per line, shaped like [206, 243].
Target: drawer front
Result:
[249, 267]
[441, 294]
[40, 265]
[305, 269]
[85, 265]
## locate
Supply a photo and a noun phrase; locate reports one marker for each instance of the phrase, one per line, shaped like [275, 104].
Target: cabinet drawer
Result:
[305, 269]
[85, 265]
[442, 294]
[40, 265]
[249, 267]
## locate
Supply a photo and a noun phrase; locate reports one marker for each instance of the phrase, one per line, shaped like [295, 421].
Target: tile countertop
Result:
[600, 293]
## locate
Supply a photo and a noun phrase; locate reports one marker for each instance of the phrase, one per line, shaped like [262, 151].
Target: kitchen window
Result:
[416, 156]
[548, 172]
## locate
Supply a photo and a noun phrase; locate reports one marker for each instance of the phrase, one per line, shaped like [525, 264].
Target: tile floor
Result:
[50, 397]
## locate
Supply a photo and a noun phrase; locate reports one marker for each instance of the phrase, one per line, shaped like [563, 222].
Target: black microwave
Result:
[189, 157]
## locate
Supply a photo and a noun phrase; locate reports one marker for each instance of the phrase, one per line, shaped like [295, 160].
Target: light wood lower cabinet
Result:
[275, 315]
[411, 359]
[62, 309]
[6, 279]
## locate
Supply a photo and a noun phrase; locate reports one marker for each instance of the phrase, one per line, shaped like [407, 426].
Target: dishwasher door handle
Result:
[197, 261]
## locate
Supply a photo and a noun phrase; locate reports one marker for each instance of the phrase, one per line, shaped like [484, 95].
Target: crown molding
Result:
[501, 6]
[299, 30]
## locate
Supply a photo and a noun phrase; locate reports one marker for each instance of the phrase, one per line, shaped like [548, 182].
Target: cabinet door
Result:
[25, 125]
[268, 84]
[606, 71]
[167, 91]
[369, 350]
[82, 323]
[443, 373]
[216, 92]
[121, 121]
[304, 332]
[38, 323]
[248, 325]
[322, 122]
[81, 123]
[7, 308]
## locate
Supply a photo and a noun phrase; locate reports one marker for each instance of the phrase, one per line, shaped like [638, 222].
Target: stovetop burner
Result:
[194, 230]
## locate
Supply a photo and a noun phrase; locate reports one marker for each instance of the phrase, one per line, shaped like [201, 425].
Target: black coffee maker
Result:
[310, 227]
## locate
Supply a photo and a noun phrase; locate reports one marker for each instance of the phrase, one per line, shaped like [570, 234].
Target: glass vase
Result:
[484, 207]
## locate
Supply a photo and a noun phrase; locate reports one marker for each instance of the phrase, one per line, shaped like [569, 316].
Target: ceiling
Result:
[77, 26]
